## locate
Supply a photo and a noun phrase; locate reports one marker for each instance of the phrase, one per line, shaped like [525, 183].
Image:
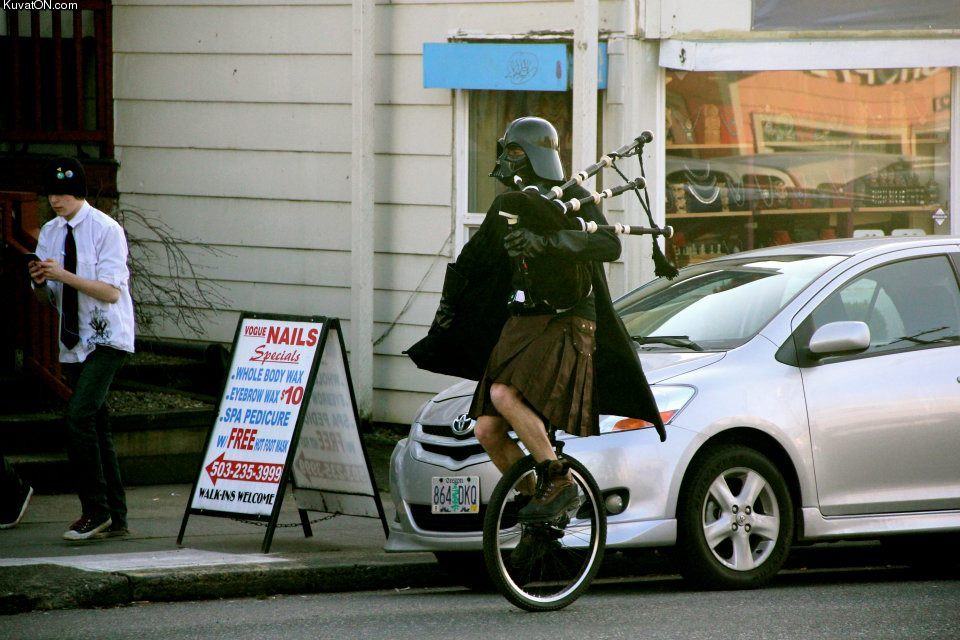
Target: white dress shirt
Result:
[102, 256]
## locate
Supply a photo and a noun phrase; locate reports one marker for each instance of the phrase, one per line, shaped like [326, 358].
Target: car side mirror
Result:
[840, 337]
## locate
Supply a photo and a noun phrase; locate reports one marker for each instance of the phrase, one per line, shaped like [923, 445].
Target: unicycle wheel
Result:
[543, 566]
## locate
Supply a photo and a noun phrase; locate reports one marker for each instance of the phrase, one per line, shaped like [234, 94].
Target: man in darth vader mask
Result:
[556, 359]
[530, 149]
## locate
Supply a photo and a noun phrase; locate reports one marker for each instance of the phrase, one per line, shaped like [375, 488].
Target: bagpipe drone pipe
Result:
[559, 282]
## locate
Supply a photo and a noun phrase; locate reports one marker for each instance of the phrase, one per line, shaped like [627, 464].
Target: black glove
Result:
[523, 242]
[454, 285]
[444, 317]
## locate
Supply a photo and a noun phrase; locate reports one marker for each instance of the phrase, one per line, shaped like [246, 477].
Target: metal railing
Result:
[59, 76]
[35, 325]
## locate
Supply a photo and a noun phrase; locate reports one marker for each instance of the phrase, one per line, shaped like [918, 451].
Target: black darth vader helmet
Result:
[541, 144]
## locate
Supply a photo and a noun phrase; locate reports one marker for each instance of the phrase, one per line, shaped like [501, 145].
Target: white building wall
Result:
[233, 127]
[692, 18]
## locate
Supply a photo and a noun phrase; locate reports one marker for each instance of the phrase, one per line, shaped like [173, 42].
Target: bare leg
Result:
[526, 424]
[491, 431]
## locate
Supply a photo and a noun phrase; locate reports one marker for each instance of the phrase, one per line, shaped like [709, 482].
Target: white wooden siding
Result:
[416, 229]
[679, 17]
[394, 272]
[233, 127]
[282, 175]
[415, 130]
[310, 79]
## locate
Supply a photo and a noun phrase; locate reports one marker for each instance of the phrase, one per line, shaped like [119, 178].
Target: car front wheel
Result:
[735, 520]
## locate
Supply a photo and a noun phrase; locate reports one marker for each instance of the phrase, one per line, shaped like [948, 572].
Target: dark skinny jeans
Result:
[11, 486]
[93, 459]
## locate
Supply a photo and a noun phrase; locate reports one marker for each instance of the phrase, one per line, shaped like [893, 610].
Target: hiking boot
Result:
[87, 527]
[10, 515]
[555, 494]
[536, 542]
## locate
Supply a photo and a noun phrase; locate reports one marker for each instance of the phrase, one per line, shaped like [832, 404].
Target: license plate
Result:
[455, 494]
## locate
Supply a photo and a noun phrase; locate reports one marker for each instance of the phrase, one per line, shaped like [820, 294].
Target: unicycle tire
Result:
[560, 558]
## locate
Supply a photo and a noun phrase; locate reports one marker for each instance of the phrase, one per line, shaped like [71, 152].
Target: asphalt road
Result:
[873, 603]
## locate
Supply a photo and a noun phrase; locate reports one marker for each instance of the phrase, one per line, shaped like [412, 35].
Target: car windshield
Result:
[717, 305]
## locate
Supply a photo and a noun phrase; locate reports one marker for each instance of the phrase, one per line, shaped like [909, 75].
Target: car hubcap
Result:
[741, 519]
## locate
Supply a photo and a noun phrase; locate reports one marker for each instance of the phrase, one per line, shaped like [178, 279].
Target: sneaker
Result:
[115, 530]
[11, 518]
[556, 493]
[87, 527]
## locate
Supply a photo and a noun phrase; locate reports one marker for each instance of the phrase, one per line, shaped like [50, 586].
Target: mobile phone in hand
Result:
[27, 259]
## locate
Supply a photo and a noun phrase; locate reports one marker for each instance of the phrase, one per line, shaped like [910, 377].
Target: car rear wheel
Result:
[735, 520]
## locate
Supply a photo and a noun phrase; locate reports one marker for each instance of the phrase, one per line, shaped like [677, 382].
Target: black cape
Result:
[480, 282]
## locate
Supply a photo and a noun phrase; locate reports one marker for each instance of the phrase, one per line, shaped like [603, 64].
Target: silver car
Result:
[810, 391]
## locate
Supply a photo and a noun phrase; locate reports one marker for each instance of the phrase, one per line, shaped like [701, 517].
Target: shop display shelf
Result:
[803, 211]
[902, 208]
[710, 214]
[722, 145]
[906, 208]
[769, 144]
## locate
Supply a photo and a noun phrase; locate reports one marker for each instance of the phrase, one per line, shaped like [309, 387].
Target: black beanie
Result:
[64, 176]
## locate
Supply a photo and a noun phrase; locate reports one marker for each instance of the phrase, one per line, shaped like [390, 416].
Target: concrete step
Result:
[49, 473]
[153, 448]
[183, 375]
[21, 391]
[196, 367]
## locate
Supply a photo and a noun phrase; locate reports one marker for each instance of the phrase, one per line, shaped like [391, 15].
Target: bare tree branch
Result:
[179, 292]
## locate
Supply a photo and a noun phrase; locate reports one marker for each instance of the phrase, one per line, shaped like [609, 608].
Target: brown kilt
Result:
[549, 360]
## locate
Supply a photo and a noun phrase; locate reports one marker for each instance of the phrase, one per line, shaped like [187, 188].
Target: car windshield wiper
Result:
[918, 340]
[674, 341]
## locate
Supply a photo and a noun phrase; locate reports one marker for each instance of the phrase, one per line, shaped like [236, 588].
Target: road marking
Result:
[145, 560]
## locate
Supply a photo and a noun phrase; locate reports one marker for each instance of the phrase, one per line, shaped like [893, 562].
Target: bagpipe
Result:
[562, 283]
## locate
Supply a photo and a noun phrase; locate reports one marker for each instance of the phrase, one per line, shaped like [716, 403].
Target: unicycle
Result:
[561, 557]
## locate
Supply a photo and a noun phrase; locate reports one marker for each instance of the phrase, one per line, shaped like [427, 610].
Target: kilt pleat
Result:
[549, 360]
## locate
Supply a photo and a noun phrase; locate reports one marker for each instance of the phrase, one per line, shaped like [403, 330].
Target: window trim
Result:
[463, 218]
[807, 54]
[954, 186]
[802, 332]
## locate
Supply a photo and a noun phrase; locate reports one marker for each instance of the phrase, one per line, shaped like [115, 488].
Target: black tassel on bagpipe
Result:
[662, 268]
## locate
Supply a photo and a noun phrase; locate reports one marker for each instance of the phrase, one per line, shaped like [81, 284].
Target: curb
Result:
[258, 580]
[47, 587]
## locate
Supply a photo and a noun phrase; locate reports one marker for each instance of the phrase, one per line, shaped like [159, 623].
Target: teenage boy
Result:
[83, 271]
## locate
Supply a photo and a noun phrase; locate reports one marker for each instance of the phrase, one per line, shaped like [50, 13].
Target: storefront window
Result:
[776, 157]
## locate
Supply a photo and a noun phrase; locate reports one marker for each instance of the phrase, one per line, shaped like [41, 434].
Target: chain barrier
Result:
[287, 525]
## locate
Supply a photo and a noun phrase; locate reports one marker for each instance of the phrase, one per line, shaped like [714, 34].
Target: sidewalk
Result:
[219, 558]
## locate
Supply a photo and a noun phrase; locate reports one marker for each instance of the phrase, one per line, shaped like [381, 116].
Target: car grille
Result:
[454, 453]
[456, 523]
[443, 431]
[445, 443]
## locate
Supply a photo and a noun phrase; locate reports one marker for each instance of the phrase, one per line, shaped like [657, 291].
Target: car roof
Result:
[850, 246]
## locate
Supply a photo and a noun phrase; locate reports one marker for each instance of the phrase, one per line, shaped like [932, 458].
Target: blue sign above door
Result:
[503, 66]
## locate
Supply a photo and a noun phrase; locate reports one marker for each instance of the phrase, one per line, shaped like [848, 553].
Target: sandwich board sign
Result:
[287, 413]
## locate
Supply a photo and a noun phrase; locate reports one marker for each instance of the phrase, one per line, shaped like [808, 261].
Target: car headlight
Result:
[671, 399]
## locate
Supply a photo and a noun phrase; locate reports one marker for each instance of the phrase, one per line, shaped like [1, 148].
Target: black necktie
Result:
[70, 323]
